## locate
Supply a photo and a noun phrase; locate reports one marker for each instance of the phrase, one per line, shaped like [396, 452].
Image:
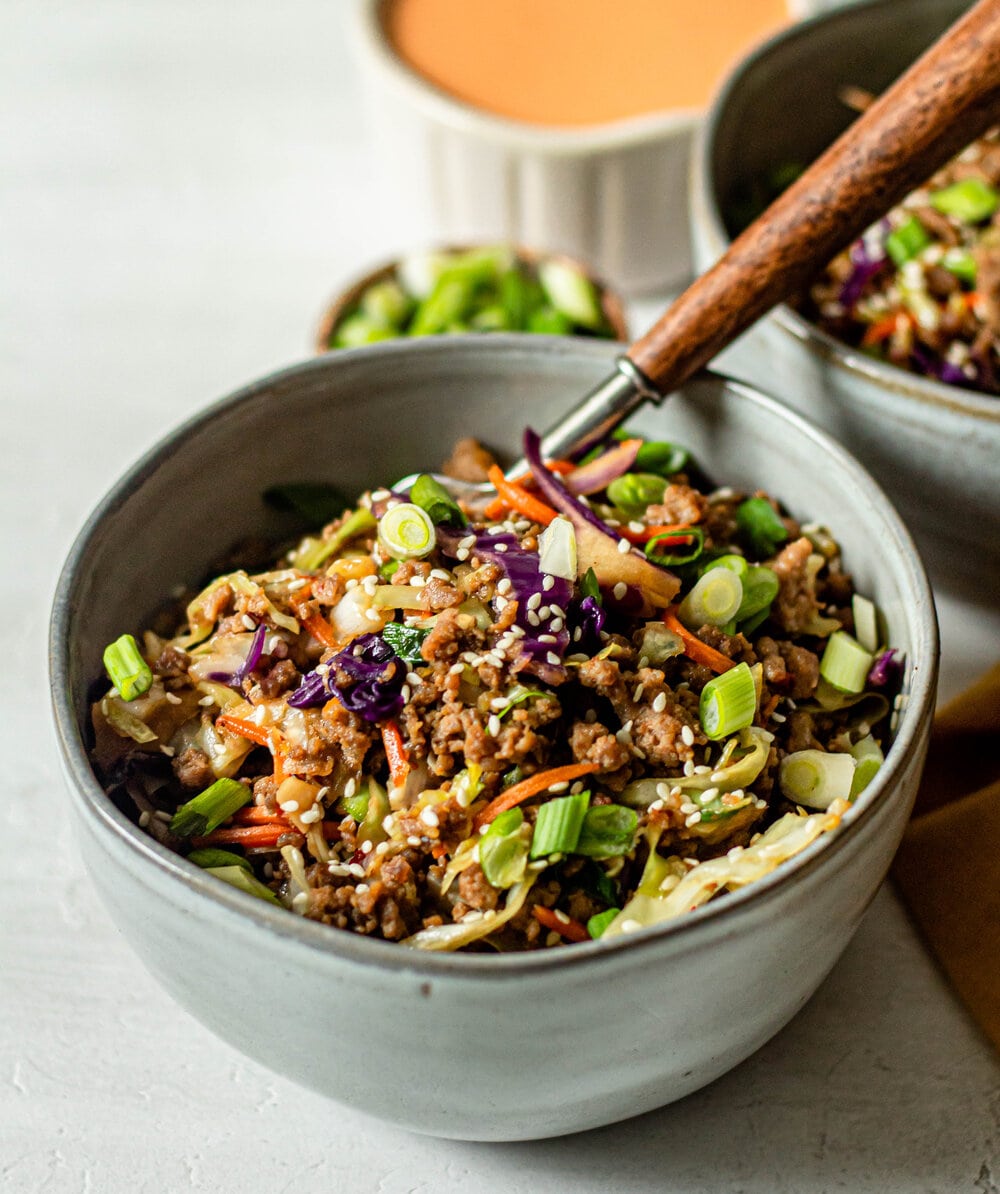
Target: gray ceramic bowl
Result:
[481, 1047]
[934, 448]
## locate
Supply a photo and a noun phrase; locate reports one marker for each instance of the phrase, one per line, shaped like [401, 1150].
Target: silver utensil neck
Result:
[596, 415]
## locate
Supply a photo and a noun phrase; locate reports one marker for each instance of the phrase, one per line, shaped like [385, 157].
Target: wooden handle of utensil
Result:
[945, 100]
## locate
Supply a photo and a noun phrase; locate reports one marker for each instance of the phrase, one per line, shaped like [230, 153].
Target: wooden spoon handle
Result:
[945, 100]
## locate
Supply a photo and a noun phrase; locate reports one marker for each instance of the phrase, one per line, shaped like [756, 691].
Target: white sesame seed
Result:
[709, 795]
[577, 634]
[373, 615]
[624, 546]
[553, 658]
[388, 822]
[367, 846]
[540, 865]
[619, 591]
[701, 769]
[430, 817]
[404, 692]
[350, 787]
[560, 916]
[337, 868]
[662, 791]
[311, 815]
[534, 601]
[468, 542]
[144, 818]
[381, 848]
[163, 815]
[248, 622]
[659, 702]
[561, 785]
[655, 806]
[548, 581]
[557, 610]
[381, 495]
[290, 806]
[456, 669]
[556, 624]
[552, 938]
[412, 679]
[779, 718]
[172, 698]
[687, 736]
[493, 726]
[206, 701]
[493, 658]
[637, 695]
[357, 870]
[352, 584]
[501, 547]
[533, 618]
[361, 888]
[689, 768]
[577, 787]
[692, 820]
[504, 586]
[544, 612]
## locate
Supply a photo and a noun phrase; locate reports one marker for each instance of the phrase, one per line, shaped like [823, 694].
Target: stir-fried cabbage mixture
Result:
[584, 704]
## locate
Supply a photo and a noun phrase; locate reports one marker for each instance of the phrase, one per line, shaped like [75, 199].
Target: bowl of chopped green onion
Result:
[544, 813]
[484, 288]
[895, 347]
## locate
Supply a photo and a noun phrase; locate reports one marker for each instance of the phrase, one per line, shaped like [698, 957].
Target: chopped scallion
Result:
[632, 493]
[865, 622]
[572, 293]
[962, 264]
[315, 552]
[845, 663]
[674, 548]
[970, 200]
[868, 756]
[598, 923]
[557, 828]
[589, 586]
[240, 877]
[431, 496]
[206, 811]
[126, 668]
[608, 831]
[734, 563]
[760, 587]
[815, 778]
[212, 856]
[715, 598]
[906, 241]
[406, 531]
[760, 526]
[728, 702]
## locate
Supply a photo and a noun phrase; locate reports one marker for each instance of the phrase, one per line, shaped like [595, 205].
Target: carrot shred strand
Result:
[569, 928]
[694, 648]
[529, 787]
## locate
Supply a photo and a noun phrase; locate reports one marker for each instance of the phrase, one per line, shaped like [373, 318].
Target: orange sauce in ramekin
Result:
[577, 62]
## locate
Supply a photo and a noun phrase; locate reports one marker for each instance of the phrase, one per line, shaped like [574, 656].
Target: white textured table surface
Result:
[181, 185]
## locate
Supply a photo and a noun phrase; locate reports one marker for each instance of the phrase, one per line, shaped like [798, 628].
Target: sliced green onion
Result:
[728, 702]
[449, 301]
[355, 806]
[845, 663]
[315, 502]
[572, 293]
[405, 641]
[315, 552]
[906, 241]
[388, 570]
[240, 877]
[503, 849]
[211, 856]
[599, 922]
[721, 807]
[371, 828]
[406, 531]
[633, 492]
[608, 831]
[961, 264]
[659, 643]
[760, 587]
[589, 586]
[734, 563]
[869, 758]
[659, 456]
[547, 321]
[357, 330]
[126, 668]
[432, 497]
[865, 622]
[760, 525]
[558, 825]
[815, 778]
[519, 296]
[674, 548]
[715, 598]
[493, 318]
[387, 303]
[970, 200]
[206, 811]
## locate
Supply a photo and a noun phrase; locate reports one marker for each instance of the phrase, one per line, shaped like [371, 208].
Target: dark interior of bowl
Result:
[781, 109]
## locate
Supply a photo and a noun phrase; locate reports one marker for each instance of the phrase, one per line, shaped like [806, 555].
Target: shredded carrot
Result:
[569, 928]
[517, 793]
[520, 499]
[242, 728]
[321, 630]
[882, 329]
[680, 533]
[395, 753]
[257, 836]
[694, 648]
[253, 814]
[770, 707]
[280, 774]
[971, 298]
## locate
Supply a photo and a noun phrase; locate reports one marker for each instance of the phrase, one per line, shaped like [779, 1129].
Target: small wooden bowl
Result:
[612, 304]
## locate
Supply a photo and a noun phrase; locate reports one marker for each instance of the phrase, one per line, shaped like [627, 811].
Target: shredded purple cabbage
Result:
[526, 580]
[588, 616]
[866, 266]
[378, 674]
[939, 369]
[235, 679]
[885, 669]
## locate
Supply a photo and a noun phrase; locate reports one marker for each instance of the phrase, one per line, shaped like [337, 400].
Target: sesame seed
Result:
[540, 865]
[388, 822]
[352, 584]
[557, 610]
[662, 791]
[430, 817]
[548, 581]
[206, 701]
[544, 612]
[624, 546]
[311, 815]
[630, 926]
[468, 542]
[709, 795]
[290, 806]
[533, 618]
[701, 769]
[577, 634]
[655, 806]
[637, 695]
[560, 916]
[561, 785]
[350, 787]
[501, 547]
[381, 848]
[456, 669]
[417, 582]
[687, 736]
[172, 698]
[553, 658]
[144, 819]
[692, 820]
[404, 692]
[590, 716]
[357, 870]
[779, 718]
[361, 888]
[547, 638]
[552, 938]
[366, 846]
[534, 601]
[577, 787]
[619, 591]
[494, 658]
[556, 624]
[381, 495]
[462, 554]
[413, 840]
[689, 768]
[659, 702]
[493, 726]
[504, 586]
[163, 815]
[337, 868]
[298, 583]
[373, 615]
[248, 622]
[440, 574]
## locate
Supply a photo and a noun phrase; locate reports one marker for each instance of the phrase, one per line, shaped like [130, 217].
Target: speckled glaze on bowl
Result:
[480, 1046]
[934, 448]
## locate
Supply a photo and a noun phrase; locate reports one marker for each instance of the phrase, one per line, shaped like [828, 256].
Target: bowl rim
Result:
[555, 140]
[706, 209]
[102, 816]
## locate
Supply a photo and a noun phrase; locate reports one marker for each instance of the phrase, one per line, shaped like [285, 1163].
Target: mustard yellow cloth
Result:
[948, 867]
